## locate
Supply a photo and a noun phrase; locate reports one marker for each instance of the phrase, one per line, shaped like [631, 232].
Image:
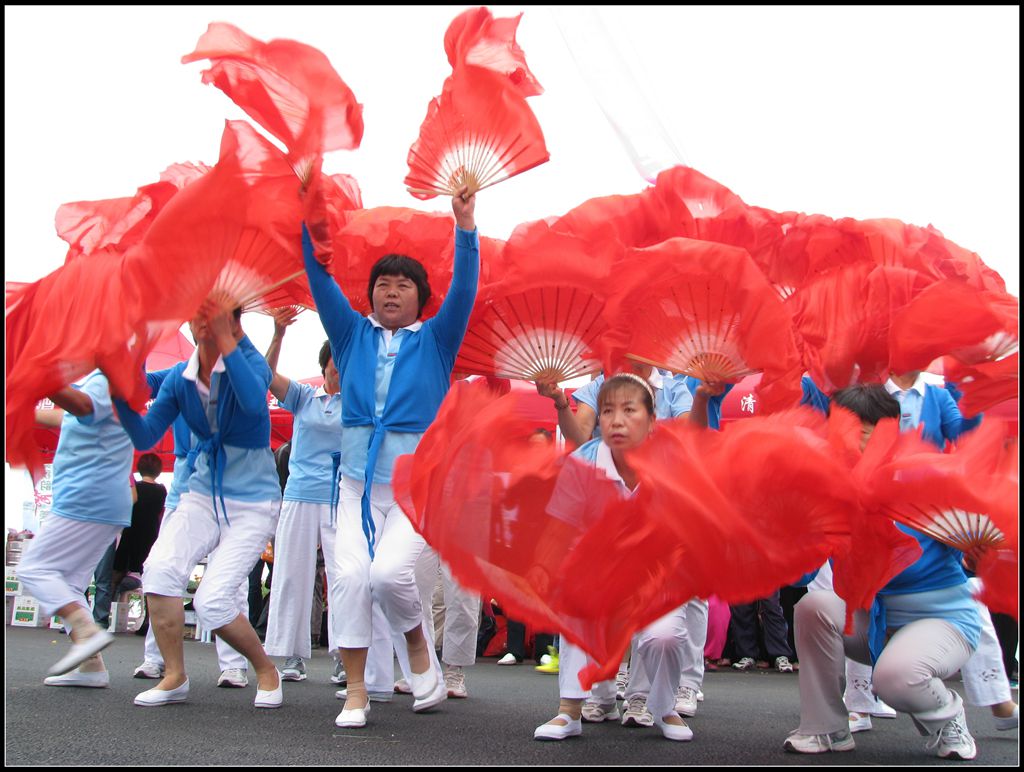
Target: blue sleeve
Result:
[950, 416]
[155, 380]
[966, 424]
[97, 388]
[813, 396]
[449, 325]
[336, 313]
[680, 399]
[146, 431]
[249, 383]
[297, 396]
[587, 395]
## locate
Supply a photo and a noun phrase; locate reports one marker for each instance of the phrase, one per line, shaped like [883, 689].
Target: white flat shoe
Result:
[424, 684]
[97, 680]
[679, 733]
[432, 700]
[155, 697]
[354, 718]
[272, 698]
[80, 652]
[572, 728]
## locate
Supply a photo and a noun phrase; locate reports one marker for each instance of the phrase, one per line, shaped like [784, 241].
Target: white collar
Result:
[411, 328]
[606, 464]
[191, 371]
[321, 392]
[656, 379]
[918, 385]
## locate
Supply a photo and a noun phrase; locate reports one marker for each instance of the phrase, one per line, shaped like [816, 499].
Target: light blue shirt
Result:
[910, 401]
[93, 463]
[355, 441]
[250, 474]
[316, 434]
[671, 398]
[179, 483]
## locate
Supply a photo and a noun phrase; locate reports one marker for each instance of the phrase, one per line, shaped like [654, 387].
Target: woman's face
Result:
[625, 422]
[395, 301]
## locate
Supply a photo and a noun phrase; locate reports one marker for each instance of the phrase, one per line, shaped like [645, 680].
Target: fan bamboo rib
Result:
[537, 340]
[958, 528]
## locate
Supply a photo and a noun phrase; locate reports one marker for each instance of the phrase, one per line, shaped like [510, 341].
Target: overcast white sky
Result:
[905, 112]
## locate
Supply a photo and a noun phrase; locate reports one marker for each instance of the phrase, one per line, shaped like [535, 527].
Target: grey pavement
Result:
[743, 721]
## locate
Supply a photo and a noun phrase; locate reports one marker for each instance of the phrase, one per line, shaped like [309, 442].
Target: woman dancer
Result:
[395, 372]
[626, 414]
[307, 515]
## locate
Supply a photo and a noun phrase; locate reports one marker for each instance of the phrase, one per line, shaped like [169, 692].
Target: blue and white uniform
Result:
[234, 496]
[307, 517]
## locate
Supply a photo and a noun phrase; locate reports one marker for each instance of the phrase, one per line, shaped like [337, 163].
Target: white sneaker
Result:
[635, 712]
[233, 678]
[595, 712]
[508, 659]
[860, 722]
[294, 669]
[402, 687]
[954, 741]
[819, 743]
[881, 710]
[700, 696]
[686, 701]
[148, 670]
[455, 682]
[621, 682]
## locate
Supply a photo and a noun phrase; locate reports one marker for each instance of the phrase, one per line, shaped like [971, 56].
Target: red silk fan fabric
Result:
[480, 492]
[479, 132]
[543, 318]
[706, 310]
[88, 226]
[475, 37]
[548, 537]
[986, 384]
[109, 310]
[287, 87]
[966, 498]
[363, 236]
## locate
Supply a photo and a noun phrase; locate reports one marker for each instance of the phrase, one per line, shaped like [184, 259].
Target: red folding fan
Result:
[544, 317]
[960, 498]
[479, 132]
[120, 222]
[984, 385]
[477, 38]
[706, 310]
[288, 88]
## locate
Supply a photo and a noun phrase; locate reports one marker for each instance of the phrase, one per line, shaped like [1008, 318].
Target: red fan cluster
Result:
[480, 130]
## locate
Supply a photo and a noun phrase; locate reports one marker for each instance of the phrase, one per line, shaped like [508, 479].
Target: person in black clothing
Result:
[137, 539]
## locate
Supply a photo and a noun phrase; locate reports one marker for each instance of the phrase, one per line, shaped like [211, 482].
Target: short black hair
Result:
[401, 265]
[149, 465]
[870, 402]
[325, 356]
[622, 381]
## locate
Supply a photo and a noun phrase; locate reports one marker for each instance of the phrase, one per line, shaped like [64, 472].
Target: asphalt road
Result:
[743, 721]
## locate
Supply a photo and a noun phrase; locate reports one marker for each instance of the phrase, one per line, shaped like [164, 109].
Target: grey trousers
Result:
[908, 674]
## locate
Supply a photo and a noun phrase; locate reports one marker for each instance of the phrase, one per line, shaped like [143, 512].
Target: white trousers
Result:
[658, 651]
[233, 545]
[691, 651]
[985, 681]
[461, 610]
[908, 674]
[301, 527]
[390, 578]
[58, 563]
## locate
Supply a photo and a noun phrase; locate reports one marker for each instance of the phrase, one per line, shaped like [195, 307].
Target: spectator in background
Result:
[148, 510]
